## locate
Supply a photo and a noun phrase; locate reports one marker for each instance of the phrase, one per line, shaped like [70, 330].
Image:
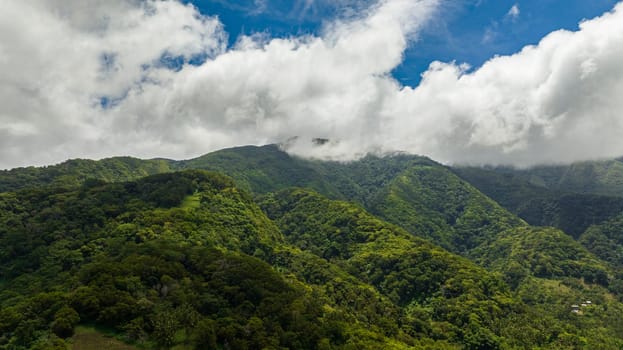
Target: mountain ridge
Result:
[395, 252]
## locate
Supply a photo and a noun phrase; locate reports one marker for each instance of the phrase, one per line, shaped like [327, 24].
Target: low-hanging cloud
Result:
[90, 79]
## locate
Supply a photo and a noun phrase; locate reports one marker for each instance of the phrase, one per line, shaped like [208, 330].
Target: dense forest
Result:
[250, 248]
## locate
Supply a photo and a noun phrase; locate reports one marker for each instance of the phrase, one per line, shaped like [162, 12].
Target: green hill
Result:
[413, 192]
[127, 256]
[544, 253]
[603, 177]
[431, 202]
[398, 252]
[595, 177]
[260, 169]
[77, 171]
[606, 240]
[569, 211]
[187, 260]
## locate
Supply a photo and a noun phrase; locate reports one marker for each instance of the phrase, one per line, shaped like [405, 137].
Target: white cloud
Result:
[490, 35]
[557, 101]
[58, 58]
[514, 12]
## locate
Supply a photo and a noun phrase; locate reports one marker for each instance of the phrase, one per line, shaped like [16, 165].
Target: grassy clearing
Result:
[555, 286]
[192, 202]
[88, 338]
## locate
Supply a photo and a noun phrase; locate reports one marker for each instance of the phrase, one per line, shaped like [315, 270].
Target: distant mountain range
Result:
[251, 248]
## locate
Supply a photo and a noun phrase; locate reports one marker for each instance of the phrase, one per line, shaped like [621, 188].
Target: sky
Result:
[464, 81]
[465, 31]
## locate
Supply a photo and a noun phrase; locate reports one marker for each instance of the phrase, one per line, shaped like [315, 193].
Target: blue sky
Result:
[160, 78]
[465, 31]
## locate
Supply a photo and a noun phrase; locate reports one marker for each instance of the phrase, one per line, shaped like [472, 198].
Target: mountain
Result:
[603, 177]
[77, 171]
[426, 198]
[431, 202]
[260, 169]
[267, 168]
[545, 253]
[260, 249]
[569, 211]
[173, 259]
[605, 240]
[594, 177]
[135, 256]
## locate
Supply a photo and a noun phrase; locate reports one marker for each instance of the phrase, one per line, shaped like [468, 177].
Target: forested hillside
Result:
[179, 259]
[596, 177]
[76, 171]
[563, 208]
[269, 251]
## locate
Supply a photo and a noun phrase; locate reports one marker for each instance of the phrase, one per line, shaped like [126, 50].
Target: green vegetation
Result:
[260, 169]
[77, 171]
[544, 253]
[432, 202]
[394, 253]
[411, 272]
[88, 338]
[606, 240]
[595, 177]
[571, 212]
[136, 258]
[592, 177]
[126, 257]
